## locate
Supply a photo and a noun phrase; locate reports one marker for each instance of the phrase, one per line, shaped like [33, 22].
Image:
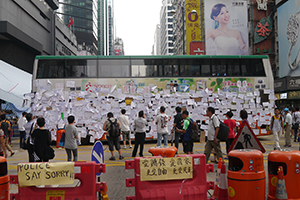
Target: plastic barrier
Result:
[59, 133]
[246, 175]
[164, 152]
[290, 161]
[87, 190]
[191, 188]
[4, 180]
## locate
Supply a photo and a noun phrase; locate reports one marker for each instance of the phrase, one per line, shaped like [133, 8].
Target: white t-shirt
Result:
[162, 123]
[288, 119]
[124, 121]
[21, 123]
[212, 125]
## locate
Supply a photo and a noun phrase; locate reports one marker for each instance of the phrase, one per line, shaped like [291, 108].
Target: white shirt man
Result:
[288, 127]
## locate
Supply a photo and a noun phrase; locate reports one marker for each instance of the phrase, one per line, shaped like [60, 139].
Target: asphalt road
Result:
[116, 173]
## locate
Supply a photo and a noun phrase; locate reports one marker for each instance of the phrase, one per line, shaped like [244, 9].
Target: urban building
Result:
[178, 27]
[156, 50]
[31, 28]
[166, 28]
[83, 15]
[119, 47]
[105, 27]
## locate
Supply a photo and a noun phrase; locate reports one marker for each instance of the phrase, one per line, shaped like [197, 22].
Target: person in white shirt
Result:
[21, 123]
[213, 130]
[124, 122]
[288, 127]
[162, 127]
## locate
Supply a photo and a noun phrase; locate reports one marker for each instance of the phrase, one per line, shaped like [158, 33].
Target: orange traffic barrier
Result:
[164, 152]
[217, 182]
[223, 186]
[281, 189]
[4, 179]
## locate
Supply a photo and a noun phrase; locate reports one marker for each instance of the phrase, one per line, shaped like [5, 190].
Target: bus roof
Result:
[151, 57]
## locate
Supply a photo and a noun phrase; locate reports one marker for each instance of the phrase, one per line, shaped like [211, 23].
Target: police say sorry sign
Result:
[60, 173]
[153, 169]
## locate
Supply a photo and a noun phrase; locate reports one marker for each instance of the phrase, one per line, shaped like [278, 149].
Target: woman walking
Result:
[232, 129]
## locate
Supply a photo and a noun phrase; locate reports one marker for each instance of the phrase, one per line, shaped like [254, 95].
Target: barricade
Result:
[175, 186]
[4, 180]
[59, 133]
[88, 188]
[290, 161]
[164, 152]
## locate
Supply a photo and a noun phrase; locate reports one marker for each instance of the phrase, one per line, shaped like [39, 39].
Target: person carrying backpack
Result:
[6, 127]
[112, 126]
[188, 143]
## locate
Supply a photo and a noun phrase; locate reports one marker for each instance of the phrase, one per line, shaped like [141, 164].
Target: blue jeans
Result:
[159, 139]
[177, 137]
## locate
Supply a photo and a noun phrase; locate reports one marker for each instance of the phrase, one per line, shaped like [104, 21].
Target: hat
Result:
[286, 109]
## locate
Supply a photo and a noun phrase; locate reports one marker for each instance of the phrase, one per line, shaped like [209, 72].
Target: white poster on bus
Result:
[226, 31]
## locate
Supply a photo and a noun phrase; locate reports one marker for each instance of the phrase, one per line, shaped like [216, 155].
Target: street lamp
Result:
[194, 13]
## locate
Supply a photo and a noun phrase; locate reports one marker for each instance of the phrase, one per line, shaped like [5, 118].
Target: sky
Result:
[135, 22]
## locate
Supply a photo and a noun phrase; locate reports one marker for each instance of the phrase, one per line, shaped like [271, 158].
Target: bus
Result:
[90, 86]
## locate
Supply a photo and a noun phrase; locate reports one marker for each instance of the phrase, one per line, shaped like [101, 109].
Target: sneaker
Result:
[121, 157]
[125, 147]
[130, 146]
[12, 153]
[285, 145]
[289, 146]
[112, 158]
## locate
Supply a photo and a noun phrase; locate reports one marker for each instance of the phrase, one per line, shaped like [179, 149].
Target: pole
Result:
[183, 42]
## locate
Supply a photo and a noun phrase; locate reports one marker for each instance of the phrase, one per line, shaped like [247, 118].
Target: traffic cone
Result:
[223, 186]
[217, 182]
[280, 189]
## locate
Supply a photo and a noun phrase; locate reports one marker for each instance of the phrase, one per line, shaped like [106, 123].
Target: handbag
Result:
[223, 131]
[50, 153]
[25, 142]
[61, 142]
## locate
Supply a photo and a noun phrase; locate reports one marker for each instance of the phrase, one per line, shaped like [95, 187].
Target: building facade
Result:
[84, 14]
[119, 47]
[157, 45]
[166, 28]
[31, 28]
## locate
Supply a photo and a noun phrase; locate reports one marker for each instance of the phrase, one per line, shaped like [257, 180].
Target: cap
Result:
[286, 109]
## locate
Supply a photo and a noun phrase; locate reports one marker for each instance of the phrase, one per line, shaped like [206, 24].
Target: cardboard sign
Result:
[153, 169]
[31, 174]
[246, 139]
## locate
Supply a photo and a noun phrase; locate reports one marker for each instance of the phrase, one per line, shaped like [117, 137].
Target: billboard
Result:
[288, 33]
[197, 48]
[193, 32]
[226, 31]
[118, 50]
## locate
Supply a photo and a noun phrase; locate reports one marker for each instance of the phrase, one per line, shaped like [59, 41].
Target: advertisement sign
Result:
[288, 33]
[197, 48]
[226, 31]
[118, 50]
[193, 32]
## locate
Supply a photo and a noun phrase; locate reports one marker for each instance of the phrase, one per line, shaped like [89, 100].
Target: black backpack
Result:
[114, 130]
[223, 130]
[194, 130]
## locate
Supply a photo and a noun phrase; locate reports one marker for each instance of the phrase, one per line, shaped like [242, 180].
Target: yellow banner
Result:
[193, 31]
[154, 169]
[31, 174]
[55, 195]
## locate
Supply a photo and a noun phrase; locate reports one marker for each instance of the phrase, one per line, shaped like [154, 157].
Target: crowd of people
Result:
[36, 139]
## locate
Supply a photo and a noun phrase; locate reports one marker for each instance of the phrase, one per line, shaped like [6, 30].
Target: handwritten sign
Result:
[153, 169]
[31, 174]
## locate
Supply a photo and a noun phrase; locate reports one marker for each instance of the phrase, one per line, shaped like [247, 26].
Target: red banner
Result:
[197, 48]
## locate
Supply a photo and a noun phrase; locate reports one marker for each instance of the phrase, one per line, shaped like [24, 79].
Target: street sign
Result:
[246, 139]
[98, 153]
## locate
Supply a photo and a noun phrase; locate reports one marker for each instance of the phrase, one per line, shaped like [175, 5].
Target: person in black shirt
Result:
[177, 124]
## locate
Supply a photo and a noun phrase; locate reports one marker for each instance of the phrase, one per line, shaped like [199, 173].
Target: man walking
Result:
[296, 117]
[124, 122]
[187, 142]
[162, 128]
[213, 130]
[21, 123]
[276, 127]
[288, 127]
[111, 125]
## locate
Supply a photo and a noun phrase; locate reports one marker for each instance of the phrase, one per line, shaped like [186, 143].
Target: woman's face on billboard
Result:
[224, 16]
